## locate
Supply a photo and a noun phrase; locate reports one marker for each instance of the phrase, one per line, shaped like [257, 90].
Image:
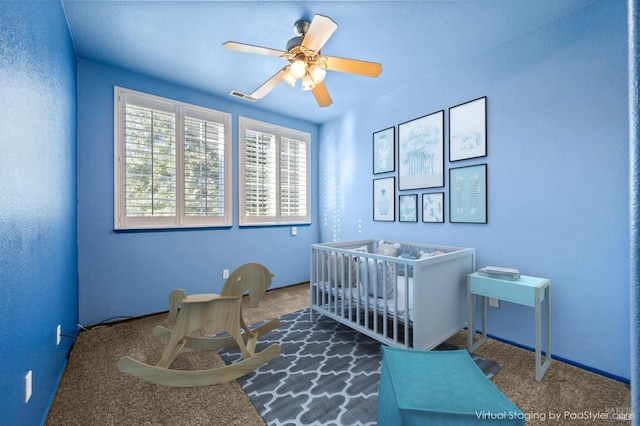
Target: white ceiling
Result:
[181, 41]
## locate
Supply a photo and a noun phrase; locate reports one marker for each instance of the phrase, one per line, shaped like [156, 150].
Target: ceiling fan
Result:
[305, 61]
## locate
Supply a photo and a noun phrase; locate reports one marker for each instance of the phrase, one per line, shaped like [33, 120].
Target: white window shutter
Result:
[204, 168]
[274, 174]
[172, 163]
[150, 162]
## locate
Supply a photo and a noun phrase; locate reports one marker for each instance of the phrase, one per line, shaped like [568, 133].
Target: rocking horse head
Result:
[253, 278]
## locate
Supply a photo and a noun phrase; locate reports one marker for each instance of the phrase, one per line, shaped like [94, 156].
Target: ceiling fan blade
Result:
[319, 31]
[270, 84]
[248, 48]
[322, 96]
[354, 66]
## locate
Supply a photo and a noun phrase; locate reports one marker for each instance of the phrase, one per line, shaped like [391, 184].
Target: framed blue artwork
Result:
[468, 130]
[433, 207]
[384, 151]
[384, 199]
[408, 208]
[468, 194]
[421, 152]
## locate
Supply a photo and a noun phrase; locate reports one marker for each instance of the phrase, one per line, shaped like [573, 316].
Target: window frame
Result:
[180, 111]
[279, 132]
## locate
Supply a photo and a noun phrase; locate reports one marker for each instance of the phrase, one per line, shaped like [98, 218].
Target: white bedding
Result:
[358, 294]
[391, 303]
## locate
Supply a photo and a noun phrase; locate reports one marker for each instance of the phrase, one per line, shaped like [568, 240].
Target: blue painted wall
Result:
[38, 250]
[558, 170]
[132, 273]
[634, 172]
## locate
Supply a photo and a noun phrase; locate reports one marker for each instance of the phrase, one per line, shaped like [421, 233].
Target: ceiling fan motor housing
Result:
[300, 28]
[294, 42]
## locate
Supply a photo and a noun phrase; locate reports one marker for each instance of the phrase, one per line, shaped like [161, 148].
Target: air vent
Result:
[242, 95]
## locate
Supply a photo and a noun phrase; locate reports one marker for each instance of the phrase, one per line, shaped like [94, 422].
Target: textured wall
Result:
[38, 251]
[634, 173]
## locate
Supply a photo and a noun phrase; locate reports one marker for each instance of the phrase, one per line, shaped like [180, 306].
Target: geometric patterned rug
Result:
[326, 374]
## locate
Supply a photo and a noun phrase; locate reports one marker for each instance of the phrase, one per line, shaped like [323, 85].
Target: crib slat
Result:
[385, 272]
[407, 306]
[360, 280]
[375, 297]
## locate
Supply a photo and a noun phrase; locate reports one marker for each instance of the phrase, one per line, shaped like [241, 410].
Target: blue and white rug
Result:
[327, 374]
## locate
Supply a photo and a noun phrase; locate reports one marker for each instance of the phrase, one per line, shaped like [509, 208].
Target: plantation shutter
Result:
[293, 177]
[204, 168]
[172, 163]
[150, 162]
[274, 174]
[260, 175]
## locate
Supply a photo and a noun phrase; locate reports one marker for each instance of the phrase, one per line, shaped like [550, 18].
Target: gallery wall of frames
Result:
[411, 172]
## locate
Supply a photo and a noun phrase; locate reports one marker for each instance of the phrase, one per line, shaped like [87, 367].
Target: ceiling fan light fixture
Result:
[307, 83]
[317, 74]
[298, 69]
[289, 79]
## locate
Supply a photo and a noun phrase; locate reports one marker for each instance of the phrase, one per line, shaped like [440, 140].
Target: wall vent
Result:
[242, 95]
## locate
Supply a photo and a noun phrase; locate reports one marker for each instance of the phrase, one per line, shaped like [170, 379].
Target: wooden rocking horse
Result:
[222, 311]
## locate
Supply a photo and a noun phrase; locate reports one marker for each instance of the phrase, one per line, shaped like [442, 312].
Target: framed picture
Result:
[408, 208]
[433, 207]
[468, 130]
[468, 194]
[421, 152]
[384, 199]
[384, 151]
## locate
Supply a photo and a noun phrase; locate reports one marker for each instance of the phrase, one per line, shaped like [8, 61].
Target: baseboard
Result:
[566, 361]
[287, 286]
[121, 319]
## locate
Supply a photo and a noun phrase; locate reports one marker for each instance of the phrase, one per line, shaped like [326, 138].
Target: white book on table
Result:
[510, 274]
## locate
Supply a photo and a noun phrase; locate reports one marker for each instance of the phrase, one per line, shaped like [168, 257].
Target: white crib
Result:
[416, 300]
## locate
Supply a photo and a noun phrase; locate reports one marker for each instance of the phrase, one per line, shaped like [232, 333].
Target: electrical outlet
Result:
[294, 230]
[495, 303]
[58, 334]
[225, 274]
[28, 389]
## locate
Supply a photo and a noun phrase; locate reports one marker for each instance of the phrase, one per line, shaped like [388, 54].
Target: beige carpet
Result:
[94, 392]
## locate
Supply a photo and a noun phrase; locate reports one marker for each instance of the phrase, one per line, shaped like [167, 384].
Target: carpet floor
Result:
[92, 391]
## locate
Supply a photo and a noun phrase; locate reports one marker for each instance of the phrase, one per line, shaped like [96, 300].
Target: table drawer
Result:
[522, 290]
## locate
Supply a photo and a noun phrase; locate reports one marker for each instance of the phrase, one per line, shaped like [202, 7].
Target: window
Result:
[274, 174]
[172, 164]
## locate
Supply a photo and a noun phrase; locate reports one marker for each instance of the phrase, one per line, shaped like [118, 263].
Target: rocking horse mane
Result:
[253, 278]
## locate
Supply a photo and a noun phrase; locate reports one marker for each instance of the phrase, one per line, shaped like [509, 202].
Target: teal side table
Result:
[529, 291]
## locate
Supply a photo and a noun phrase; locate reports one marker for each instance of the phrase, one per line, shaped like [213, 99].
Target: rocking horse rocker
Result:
[222, 311]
